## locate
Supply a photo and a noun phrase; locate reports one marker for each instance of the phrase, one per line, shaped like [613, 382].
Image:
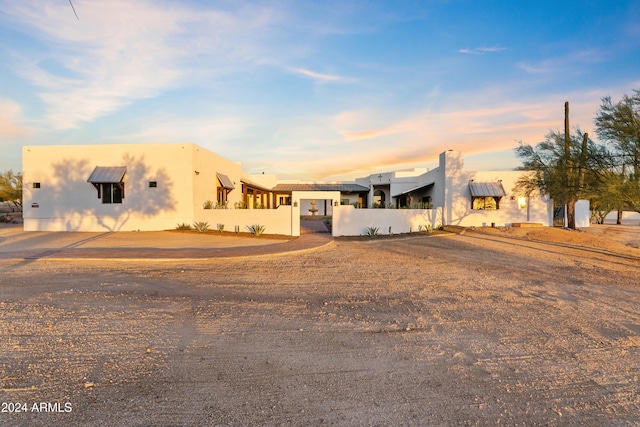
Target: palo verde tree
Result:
[619, 125]
[564, 167]
[11, 188]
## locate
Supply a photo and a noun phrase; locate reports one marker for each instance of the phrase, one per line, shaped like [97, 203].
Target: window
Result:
[487, 203]
[153, 184]
[222, 196]
[223, 189]
[284, 200]
[425, 203]
[111, 193]
[109, 181]
[36, 185]
[486, 195]
[344, 202]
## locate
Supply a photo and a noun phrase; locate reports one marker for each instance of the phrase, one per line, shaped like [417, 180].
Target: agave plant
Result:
[256, 229]
[372, 231]
[427, 228]
[201, 226]
[183, 226]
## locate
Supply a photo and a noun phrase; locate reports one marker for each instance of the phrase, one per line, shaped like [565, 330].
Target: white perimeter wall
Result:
[349, 221]
[276, 221]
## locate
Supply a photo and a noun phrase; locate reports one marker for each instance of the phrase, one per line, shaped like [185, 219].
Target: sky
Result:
[312, 90]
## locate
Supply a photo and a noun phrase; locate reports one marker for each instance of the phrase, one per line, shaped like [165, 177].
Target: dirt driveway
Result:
[533, 327]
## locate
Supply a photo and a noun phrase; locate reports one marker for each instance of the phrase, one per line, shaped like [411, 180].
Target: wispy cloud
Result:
[10, 119]
[463, 124]
[571, 62]
[193, 129]
[123, 51]
[482, 50]
[319, 76]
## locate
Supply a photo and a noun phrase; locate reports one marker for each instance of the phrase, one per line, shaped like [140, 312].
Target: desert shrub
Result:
[372, 231]
[256, 229]
[201, 226]
[183, 226]
[425, 228]
[207, 205]
[220, 228]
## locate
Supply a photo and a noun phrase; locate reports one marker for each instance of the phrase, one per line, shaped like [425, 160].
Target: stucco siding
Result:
[348, 221]
[65, 200]
[275, 221]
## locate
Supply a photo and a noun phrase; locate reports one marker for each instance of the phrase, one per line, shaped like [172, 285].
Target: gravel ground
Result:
[491, 326]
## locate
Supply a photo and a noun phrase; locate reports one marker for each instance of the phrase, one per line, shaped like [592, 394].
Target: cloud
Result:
[10, 119]
[122, 51]
[374, 140]
[482, 50]
[193, 129]
[320, 77]
[568, 63]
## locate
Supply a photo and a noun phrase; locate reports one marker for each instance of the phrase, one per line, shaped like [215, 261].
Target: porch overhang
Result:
[342, 188]
[414, 189]
[255, 186]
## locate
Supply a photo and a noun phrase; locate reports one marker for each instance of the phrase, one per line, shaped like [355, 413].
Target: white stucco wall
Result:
[509, 210]
[276, 221]
[349, 221]
[185, 175]
[205, 181]
[332, 197]
[450, 191]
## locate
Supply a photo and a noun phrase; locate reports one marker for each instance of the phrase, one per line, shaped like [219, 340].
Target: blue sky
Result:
[325, 90]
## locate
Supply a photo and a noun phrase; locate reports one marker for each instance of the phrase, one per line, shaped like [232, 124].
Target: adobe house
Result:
[130, 187]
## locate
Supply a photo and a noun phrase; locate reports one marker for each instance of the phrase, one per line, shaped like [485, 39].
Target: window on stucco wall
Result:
[485, 203]
[111, 193]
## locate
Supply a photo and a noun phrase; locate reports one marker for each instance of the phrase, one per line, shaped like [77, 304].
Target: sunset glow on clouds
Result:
[310, 90]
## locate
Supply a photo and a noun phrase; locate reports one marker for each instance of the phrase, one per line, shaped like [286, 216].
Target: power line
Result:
[74, 10]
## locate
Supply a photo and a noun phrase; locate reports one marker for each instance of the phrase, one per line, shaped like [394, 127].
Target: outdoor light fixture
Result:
[522, 202]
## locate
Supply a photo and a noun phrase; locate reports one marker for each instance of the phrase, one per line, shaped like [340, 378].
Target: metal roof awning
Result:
[225, 181]
[107, 174]
[254, 185]
[343, 188]
[486, 189]
[411, 190]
